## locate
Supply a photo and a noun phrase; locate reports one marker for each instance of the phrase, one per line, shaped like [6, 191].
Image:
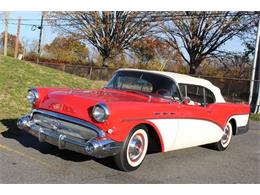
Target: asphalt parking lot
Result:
[24, 160]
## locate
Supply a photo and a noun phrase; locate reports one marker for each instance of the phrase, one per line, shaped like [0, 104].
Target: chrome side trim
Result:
[70, 119]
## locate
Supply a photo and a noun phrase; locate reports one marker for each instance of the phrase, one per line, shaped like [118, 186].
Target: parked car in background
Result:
[138, 111]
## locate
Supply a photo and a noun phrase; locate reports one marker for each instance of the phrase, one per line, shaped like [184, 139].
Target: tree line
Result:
[188, 42]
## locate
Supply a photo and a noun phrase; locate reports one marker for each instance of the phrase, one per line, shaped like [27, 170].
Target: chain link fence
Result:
[233, 89]
[90, 72]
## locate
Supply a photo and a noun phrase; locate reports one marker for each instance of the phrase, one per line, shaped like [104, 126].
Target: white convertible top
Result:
[182, 78]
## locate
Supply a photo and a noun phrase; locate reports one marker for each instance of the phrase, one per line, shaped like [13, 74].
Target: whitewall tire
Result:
[226, 138]
[134, 150]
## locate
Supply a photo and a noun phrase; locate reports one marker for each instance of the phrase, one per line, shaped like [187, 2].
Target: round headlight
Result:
[32, 96]
[100, 112]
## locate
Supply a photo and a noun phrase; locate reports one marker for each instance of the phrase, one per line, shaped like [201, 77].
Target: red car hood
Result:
[77, 102]
[103, 95]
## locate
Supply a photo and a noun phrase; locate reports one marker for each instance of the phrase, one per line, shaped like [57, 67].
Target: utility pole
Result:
[40, 39]
[254, 95]
[6, 34]
[16, 49]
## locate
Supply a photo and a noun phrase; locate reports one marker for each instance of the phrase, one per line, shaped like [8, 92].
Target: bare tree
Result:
[109, 32]
[249, 38]
[199, 35]
[236, 65]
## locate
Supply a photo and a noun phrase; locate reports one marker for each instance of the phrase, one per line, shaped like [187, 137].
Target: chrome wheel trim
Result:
[137, 148]
[226, 138]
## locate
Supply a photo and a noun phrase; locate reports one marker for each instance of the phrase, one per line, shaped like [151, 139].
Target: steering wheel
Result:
[162, 92]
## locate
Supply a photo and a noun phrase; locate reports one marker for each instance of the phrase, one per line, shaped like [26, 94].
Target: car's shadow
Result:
[30, 141]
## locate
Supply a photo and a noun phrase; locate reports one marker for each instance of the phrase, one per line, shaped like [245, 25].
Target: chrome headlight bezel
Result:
[100, 112]
[32, 96]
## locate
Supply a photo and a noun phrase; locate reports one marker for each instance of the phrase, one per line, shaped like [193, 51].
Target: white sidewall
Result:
[139, 161]
[230, 136]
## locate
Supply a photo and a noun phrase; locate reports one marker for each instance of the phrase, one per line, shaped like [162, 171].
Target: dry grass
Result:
[17, 76]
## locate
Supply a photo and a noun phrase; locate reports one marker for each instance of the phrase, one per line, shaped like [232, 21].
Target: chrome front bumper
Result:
[99, 147]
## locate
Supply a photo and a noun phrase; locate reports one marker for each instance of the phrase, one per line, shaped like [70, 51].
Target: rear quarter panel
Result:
[223, 112]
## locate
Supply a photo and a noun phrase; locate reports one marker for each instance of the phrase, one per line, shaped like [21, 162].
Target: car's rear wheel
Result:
[134, 150]
[226, 138]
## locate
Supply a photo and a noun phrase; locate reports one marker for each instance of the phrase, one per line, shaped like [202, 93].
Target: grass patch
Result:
[17, 76]
[255, 117]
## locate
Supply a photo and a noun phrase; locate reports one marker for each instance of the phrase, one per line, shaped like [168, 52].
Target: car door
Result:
[195, 120]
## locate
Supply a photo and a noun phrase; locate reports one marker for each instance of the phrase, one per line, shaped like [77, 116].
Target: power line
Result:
[22, 24]
[154, 16]
[151, 18]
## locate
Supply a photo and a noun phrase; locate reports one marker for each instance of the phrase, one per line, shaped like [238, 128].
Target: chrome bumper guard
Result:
[99, 147]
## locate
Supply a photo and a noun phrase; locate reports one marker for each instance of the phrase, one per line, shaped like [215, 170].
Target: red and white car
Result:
[139, 111]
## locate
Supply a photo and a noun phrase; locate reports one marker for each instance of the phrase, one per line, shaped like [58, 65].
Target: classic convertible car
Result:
[138, 112]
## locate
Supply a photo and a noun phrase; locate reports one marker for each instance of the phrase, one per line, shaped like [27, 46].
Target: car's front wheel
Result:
[226, 138]
[134, 150]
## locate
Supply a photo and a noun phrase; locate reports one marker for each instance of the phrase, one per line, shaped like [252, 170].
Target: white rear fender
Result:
[184, 133]
[241, 120]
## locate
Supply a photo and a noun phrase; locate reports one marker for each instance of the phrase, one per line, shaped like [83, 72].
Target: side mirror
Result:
[186, 100]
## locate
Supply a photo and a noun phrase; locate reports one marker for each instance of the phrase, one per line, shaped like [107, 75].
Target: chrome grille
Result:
[64, 127]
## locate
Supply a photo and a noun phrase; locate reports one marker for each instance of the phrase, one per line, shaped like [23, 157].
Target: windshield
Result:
[144, 82]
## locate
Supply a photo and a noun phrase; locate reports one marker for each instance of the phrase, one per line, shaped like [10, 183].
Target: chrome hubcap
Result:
[136, 147]
[226, 135]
